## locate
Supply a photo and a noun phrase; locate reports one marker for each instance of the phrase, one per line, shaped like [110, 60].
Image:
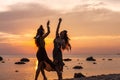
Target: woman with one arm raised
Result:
[41, 53]
[61, 42]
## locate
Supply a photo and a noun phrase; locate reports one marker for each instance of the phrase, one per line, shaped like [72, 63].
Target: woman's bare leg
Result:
[42, 71]
[59, 73]
[38, 71]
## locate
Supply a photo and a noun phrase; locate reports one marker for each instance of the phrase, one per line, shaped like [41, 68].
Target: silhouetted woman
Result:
[41, 53]
[61, 42]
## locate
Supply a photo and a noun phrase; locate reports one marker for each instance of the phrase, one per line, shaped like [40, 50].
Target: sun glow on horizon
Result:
[27, 39]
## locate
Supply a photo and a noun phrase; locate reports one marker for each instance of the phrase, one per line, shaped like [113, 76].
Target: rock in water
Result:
[1, 58]
[77, 67]
[16, 71]
[24, 60]
[94, 63]
[19, 62]
[110, 59]
[3, 61]
[67, 59]
[78, 75]
[90, 59]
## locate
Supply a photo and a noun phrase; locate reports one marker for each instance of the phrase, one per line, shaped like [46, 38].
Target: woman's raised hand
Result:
[60, 19]
[48, 23]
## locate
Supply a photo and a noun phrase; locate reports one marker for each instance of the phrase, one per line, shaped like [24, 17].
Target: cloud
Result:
[15, 39]
[21, 17]
[96, 37]
[92, 5]
[112, 1]
[16, 44]
[6, 48]
[87, 21]
[6, 37]
[21, 11]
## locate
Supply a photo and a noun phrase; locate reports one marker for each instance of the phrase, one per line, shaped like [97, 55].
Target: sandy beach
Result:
[99, 77]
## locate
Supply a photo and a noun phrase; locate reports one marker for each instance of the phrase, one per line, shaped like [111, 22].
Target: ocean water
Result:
[27, 71]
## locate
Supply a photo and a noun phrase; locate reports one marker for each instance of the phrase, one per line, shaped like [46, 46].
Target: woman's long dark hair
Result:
[66, 45]
[40, 32]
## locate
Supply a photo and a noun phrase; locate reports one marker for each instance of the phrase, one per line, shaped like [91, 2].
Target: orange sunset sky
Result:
[93, 25]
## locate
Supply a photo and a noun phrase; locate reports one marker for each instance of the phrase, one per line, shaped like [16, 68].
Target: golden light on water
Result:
[36, 65]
